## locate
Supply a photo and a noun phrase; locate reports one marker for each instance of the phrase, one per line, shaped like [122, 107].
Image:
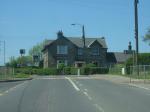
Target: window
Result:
[80, 51]
[95, 51]
[62, 49]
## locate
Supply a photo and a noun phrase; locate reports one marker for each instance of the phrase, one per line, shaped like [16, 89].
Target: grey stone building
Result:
[71, 51]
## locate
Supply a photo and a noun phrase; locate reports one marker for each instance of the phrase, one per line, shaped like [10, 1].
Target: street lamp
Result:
[136, 33]
[83, 39]
[83, 33]
[4, 44]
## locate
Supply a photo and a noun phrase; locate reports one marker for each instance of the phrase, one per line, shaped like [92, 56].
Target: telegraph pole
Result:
[4, 53]
[136, 34]
[83, 36]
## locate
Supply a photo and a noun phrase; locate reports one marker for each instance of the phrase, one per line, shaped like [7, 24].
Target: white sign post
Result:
[78, 71]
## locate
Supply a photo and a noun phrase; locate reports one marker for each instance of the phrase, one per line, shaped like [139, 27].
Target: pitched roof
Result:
[117, 57]
[47, 44]
[88, 41]
[79, 42]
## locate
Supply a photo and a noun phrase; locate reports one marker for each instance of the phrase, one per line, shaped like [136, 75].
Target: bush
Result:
[38, 71]
[143, 59]
[94, 70]
[67, 70]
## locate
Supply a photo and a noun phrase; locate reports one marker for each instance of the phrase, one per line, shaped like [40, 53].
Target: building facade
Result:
[71, 51]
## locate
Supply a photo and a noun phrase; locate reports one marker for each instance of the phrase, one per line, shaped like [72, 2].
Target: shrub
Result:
[143, 59]
[73, 71]
[67, 70]
[38, 71]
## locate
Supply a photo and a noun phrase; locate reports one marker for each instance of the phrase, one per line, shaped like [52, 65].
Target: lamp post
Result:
[83, 39]
[136, 33]
[83, 33]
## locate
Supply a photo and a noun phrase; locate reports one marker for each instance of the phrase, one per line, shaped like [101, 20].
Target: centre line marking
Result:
[99, 108]
[86, 94]
[73, 84]
[85, 89]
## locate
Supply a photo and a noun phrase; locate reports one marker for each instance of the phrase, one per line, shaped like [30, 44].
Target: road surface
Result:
[72, 94]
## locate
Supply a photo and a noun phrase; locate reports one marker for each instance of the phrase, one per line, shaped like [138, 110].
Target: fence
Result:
[6, 73]
[140, 72]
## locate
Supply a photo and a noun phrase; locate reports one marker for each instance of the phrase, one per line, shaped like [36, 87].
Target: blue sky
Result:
[24, 23]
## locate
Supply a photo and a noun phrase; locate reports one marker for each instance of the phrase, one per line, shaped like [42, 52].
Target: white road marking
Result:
[6, 91]
[1, 94]
[139, 86]
[85, 90]
[99, 108]
[10, 89]
[86, 94]
[73, 84]
[80, 84]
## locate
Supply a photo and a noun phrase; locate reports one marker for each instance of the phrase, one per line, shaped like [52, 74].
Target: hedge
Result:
[66, 71]
[85, 70]
[47, 71]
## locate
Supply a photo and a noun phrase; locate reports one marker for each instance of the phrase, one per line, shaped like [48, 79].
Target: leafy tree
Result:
[36, 49]
[24, 60]
[147, 36]
[143, 59]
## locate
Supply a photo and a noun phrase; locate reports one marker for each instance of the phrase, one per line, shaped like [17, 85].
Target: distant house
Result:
[120, 57]
[71, 51]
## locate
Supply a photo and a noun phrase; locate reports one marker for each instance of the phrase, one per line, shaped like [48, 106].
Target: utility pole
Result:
[4, 53]
[83, 36]
[136, 34]
[83, 39]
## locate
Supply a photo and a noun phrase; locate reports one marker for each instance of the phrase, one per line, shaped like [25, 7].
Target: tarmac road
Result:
[72, 94]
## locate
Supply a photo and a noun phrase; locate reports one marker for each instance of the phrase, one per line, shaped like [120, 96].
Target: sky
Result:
[24, 23]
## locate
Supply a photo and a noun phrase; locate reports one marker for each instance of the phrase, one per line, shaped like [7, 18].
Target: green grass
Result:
[20, 75]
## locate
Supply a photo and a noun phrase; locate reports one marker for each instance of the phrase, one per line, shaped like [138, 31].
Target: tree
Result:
[143, 59]
[24, 61]
[36, 49]
[147, 36]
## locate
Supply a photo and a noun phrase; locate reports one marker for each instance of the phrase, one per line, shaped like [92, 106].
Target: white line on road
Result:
[85, 90]
[99, 108]
[10, 89]
[73, 84]
[139, 86]
[1, 94]
[86, 94]
[80, 84]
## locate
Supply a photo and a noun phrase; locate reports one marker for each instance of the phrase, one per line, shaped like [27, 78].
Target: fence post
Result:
[78, 71]
[130, 74]
[13, 72]
[144, 74]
